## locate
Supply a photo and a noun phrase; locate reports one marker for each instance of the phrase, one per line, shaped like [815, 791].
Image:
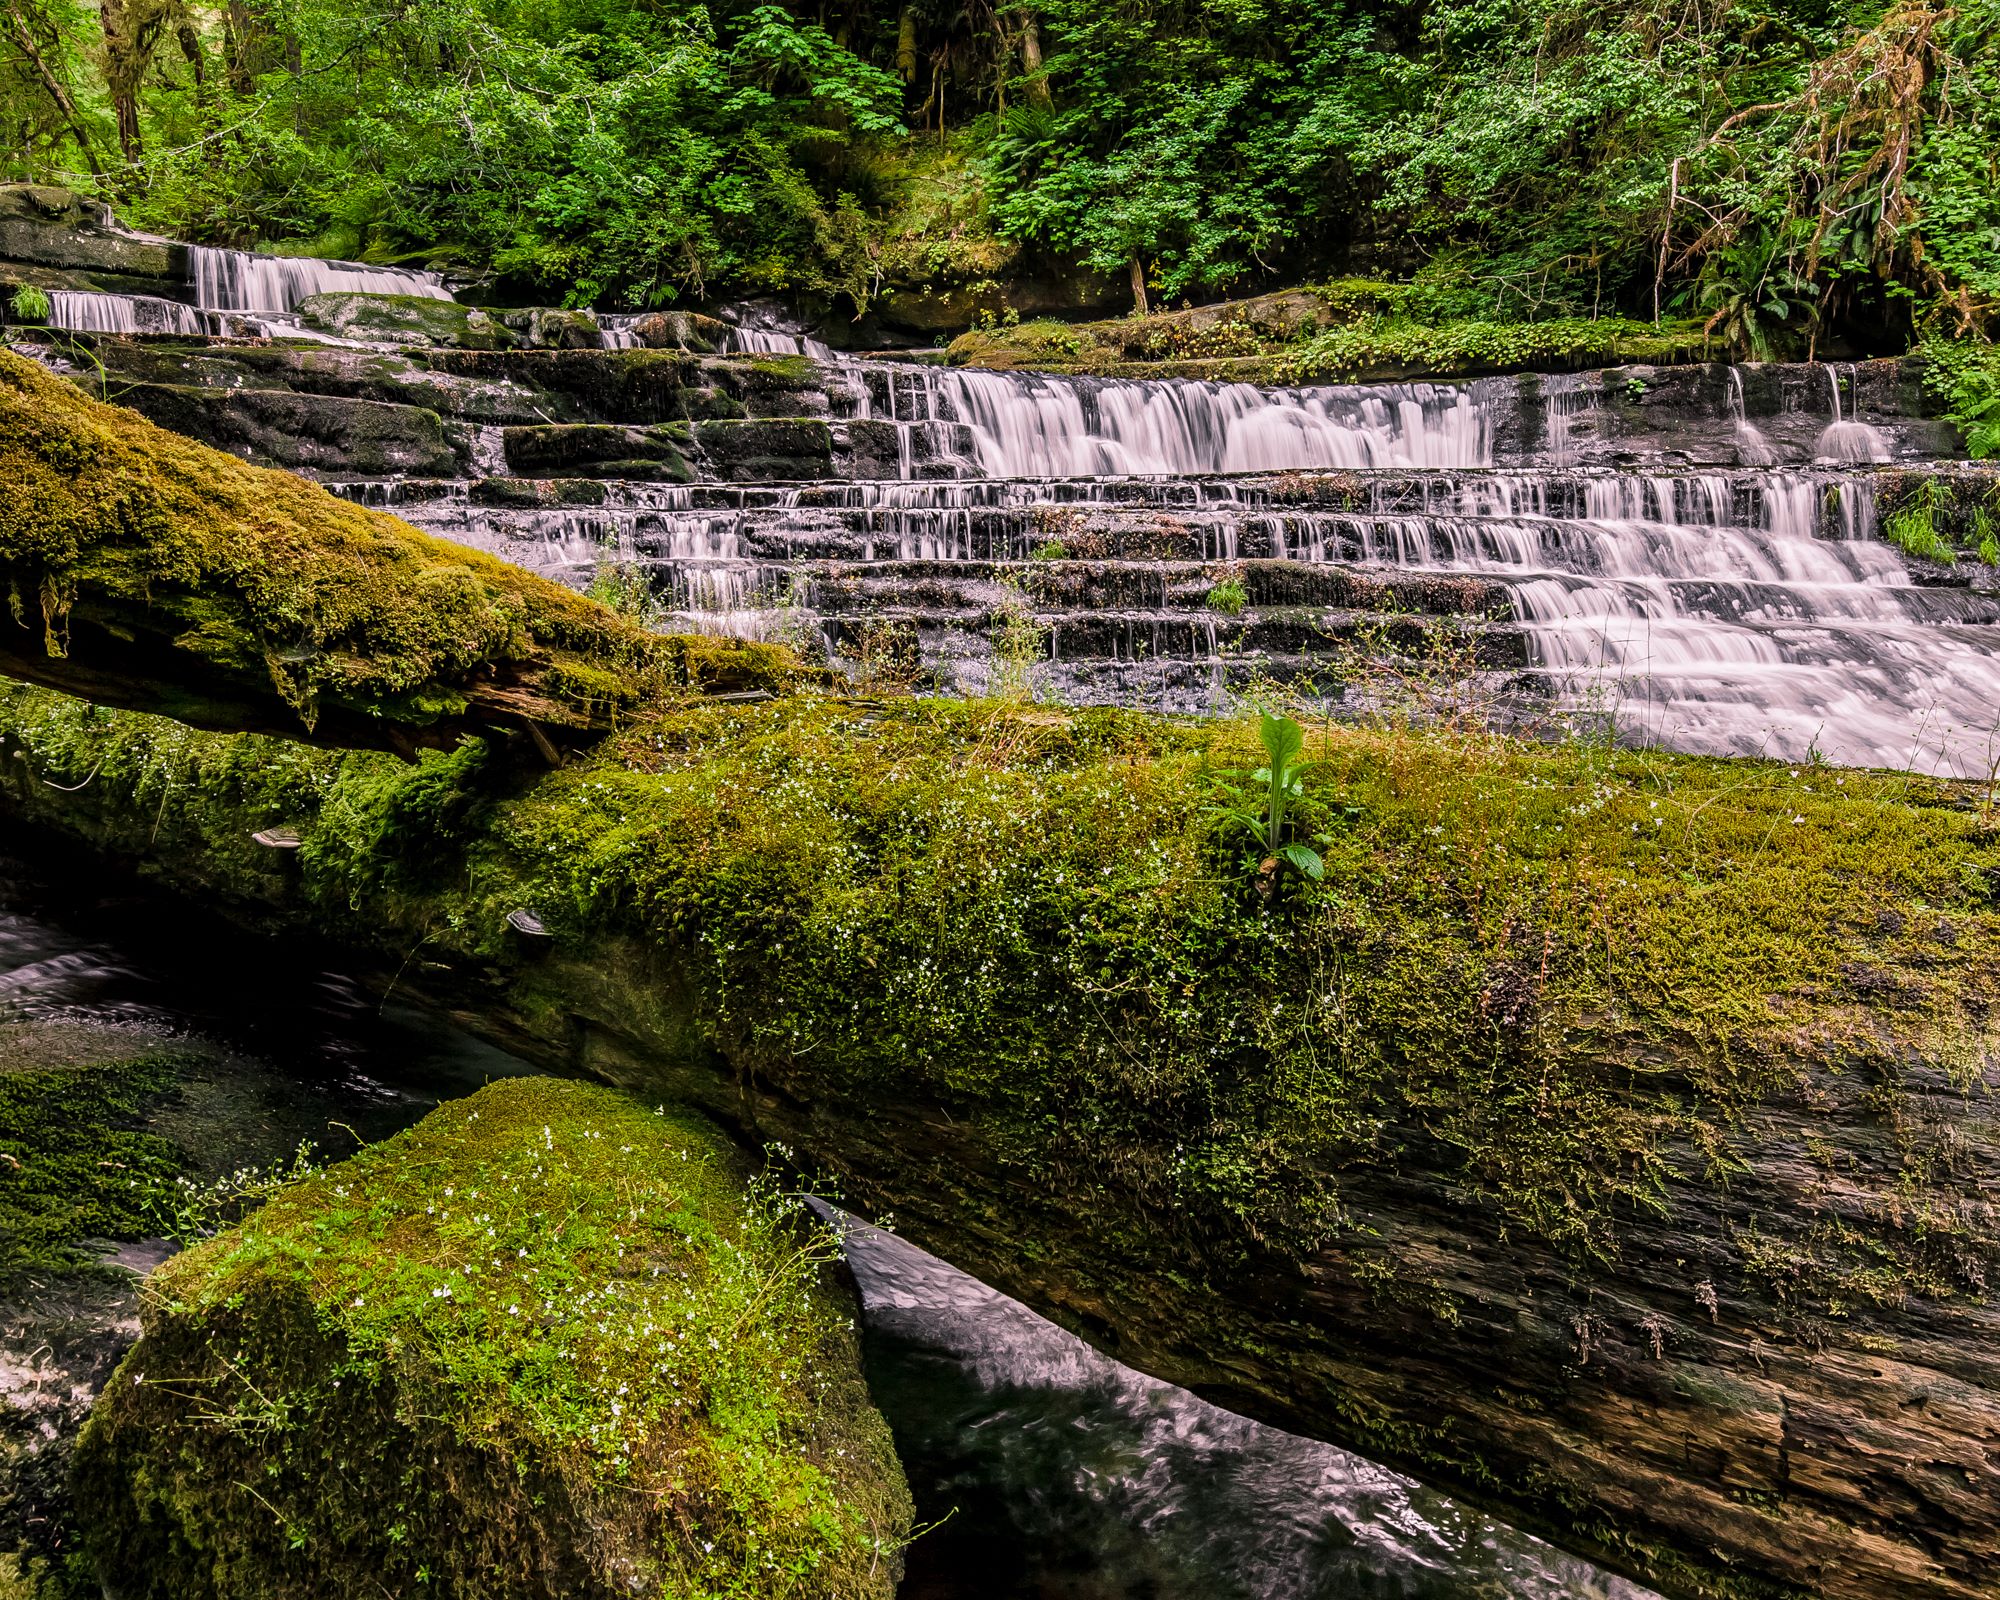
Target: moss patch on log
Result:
[1644, 1080]
[1571, 964]
[542, 1344]
[146, 569]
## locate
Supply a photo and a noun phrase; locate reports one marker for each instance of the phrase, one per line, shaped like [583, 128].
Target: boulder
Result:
[760, 449]
[46, 227]
[546, 1345]
[600, 450]
[320, 433]
[405, 319]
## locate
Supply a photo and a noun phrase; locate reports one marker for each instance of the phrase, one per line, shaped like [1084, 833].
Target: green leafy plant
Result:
[1229, 597]
[1048, 550]
[1018, 642]
[190, 1210]
[1986, 545]
[1267, 814]
[1913, 529]
[30, 305]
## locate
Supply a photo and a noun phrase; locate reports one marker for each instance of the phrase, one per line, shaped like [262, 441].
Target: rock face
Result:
[540, 1347]
[54, 239]
[1610, 1138]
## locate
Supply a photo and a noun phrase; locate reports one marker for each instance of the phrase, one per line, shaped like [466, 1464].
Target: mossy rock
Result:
[545, 1344]
[51, 227]
[598, 450]
[314, 432]
[405, 319]
[766, 448]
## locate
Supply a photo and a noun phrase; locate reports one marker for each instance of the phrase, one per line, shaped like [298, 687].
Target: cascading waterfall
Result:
[1008, 425]
[1752, 448]
[236, 280]
[1746, 613]
[80, 312]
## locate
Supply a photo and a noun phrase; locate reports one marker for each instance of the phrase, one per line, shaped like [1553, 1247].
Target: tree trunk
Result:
[1139, 285]
[130, 29]
[1035, 80]
[239, 36]
[906, 45]
[52, 86]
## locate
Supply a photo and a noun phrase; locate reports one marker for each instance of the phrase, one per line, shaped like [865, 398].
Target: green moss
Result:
[1377, 346]
[73, 1165]
[270, 581]
[1577, 969]
[543, 1344]
[1937, 514]
[1378, 330]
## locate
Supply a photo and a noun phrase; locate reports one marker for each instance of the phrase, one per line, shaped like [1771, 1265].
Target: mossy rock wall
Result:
[544, 1344]
[1611, 1137]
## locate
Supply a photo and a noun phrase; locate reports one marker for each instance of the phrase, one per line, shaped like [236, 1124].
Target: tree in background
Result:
[1777, 168]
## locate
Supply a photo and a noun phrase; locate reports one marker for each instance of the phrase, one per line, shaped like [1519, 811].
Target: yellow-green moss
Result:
[1576, 967]
[546, 1343]
[269, 579]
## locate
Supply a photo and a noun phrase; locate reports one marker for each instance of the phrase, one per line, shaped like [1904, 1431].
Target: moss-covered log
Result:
[540, 1345]
[1610, 1137]
[141, 570]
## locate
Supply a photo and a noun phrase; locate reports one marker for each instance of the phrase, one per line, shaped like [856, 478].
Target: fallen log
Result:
[141, 570]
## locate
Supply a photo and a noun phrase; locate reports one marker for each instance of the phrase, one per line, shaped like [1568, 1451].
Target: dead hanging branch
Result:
[1856, 125]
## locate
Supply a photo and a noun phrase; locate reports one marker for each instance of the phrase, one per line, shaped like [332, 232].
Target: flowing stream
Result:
[1058, 1473]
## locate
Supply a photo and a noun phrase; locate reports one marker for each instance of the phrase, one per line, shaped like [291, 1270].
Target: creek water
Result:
[1706, 572]
[1050, 1470]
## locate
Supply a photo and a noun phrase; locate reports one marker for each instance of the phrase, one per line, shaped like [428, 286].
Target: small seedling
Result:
[1268, 817]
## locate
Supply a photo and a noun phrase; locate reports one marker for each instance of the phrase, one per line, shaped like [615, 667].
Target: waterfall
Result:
[764, 342]
[1848, 441]
[80, 312]
[1011, 425]
[1746, 609]
[235, 280]
[1752, 448]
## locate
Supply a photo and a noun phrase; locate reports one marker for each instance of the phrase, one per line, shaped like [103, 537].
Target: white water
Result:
[1846, 440]
[1008, 425]
[1754, 614]
[236, 280]
[1752, 448]
[81, 312]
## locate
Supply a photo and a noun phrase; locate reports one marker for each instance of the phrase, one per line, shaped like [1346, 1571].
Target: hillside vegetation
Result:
[1784, 168]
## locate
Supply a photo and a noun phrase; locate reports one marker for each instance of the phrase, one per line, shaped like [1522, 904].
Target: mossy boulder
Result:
[545, 1344]
[141, 569]
[761, 449]
[43, 226]
[600, 450]
[405, 319]
[310, 432]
